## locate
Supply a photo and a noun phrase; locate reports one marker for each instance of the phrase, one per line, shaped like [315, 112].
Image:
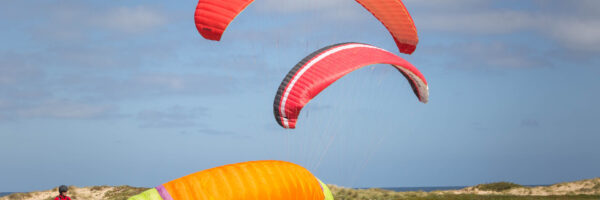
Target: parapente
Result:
[323, 67]
[264, 180]
[212, 17]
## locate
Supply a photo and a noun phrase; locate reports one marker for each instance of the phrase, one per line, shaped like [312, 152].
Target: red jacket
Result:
[61, 197]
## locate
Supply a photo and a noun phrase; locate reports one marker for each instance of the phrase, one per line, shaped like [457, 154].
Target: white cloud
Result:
[578, 34]
[338, 10]
[444, 4]
[77, 22]
[175, 116]
[102, 89]
[529, 123]
[65, 109]
[488, 55]
[572, 25]
[131, 20]
[15, 70]
[210, 131]
[287, 6]
[179, 83]
[478, 23]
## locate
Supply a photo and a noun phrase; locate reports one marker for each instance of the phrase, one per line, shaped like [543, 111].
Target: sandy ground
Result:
[82, 193]
[588, 186]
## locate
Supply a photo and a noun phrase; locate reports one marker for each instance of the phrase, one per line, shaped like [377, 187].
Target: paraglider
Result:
[265, 180]
[213, 16]
[317, 71]
[395, 17]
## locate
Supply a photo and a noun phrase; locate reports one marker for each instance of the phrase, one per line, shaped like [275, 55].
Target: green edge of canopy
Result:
[151, 194]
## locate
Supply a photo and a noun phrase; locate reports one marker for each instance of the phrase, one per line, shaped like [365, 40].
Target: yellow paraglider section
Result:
[151, 194]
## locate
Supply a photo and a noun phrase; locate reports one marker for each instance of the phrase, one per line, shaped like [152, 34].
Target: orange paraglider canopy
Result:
[249, 180]
[265, 180]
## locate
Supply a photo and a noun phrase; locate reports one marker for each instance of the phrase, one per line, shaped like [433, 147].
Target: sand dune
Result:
[586, 187]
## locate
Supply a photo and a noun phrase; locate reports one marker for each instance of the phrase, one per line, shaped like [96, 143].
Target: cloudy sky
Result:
[127, 92]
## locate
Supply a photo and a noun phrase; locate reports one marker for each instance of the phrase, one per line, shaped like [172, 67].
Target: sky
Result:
[128, 93]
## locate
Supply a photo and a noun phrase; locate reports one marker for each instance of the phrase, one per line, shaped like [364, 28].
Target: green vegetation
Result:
[484, 197]
[579, 190]
[597, 186]
[98, 188]
[498, 186]
[379, 194]
[16, 196]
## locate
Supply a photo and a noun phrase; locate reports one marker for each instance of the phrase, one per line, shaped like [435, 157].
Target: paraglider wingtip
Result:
[210, 34]
[289, 127]
[424, 100]
[212, 37]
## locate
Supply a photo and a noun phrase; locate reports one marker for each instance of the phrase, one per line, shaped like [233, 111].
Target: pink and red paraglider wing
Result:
[323, 67]
[213, 16]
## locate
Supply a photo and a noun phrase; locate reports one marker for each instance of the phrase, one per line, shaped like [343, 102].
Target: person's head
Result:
[63, 189]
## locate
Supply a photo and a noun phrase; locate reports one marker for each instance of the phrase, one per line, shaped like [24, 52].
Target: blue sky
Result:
[127, 92]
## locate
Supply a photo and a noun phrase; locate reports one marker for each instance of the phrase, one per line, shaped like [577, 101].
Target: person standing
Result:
[62, 193]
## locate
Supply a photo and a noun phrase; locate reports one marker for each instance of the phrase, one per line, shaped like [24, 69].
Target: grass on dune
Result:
[380, 194]
[498, 186]
[341, 193]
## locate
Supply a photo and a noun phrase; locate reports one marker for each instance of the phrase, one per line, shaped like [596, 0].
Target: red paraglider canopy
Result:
[323, 67]
[213, 16]
[394, 16]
